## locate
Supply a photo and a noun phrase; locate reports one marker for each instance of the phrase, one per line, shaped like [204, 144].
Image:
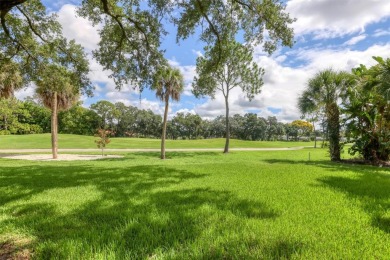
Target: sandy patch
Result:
[61, 157]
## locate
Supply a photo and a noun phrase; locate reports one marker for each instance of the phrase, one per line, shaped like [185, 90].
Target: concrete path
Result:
[147, 150]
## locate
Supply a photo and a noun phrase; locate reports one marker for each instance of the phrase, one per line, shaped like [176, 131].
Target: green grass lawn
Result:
[79, 141]
[205, 205]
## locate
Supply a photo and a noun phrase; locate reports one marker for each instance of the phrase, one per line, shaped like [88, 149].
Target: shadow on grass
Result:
[23, 182]
[255, 249]
[139, 212]
[372, 189]
[370, 185]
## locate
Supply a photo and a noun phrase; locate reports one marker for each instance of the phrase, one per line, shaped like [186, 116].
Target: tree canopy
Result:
[131, 31]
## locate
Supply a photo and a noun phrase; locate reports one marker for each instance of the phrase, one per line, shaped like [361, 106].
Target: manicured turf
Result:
[78, 141]
[205, 205]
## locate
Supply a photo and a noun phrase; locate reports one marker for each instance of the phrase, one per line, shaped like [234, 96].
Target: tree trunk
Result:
[54, 127]
[5, 123]
[333, 116]
[164, 129]
[226, 150]
[324, 135]
[315, 136]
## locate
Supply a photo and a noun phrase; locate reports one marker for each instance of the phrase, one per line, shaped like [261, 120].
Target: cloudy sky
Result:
[329, 33]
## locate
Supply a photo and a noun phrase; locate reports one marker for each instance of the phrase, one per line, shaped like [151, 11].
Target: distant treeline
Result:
[28, 117]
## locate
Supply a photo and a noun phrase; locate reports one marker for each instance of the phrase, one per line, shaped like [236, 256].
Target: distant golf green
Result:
[203, 205]
[79, 141]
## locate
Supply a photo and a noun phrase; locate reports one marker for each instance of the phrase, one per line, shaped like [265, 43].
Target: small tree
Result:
[104, 139]
[237, 70]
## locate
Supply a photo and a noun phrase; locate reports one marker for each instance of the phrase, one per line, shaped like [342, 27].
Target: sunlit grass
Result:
[79, 141]
[205, 205]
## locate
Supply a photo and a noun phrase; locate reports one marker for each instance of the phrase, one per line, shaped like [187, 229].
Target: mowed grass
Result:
[204, 205]
[78, 141]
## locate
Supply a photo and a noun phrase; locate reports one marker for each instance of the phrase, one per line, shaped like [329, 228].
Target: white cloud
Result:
[185, 111]
[343, 59]
[78, 28]
[197, 53]
[355, 40]
[381, 32]
[29, 91]
[332, 18]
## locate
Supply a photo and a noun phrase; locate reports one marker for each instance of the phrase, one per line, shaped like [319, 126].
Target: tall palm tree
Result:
[324, 91]
[56, 89]
[10, 79]
[168, 83]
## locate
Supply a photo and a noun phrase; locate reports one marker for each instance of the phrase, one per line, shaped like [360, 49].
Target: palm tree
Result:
[56, 89]
[168, 83]
[10, 79]
[323, 91]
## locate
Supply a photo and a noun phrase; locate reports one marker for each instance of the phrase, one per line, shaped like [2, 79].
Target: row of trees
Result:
[29, 117]
[358, 101]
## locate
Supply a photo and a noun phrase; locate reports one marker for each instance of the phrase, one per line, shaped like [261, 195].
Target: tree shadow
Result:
[140, 212]
[255, 249]
[371, 186]
[22, 182]
[329, 165]
[371, 189]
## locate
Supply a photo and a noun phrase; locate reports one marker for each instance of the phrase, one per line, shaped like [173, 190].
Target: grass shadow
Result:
[371, 189]
[138, 211]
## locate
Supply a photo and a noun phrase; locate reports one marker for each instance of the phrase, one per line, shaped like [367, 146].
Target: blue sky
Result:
[329, 33]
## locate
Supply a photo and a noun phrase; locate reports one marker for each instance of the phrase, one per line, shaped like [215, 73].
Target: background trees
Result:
[107, 113]
[78, 120]
[33, 117]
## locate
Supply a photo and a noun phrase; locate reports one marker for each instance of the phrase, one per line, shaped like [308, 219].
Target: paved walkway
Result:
[148, 150]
